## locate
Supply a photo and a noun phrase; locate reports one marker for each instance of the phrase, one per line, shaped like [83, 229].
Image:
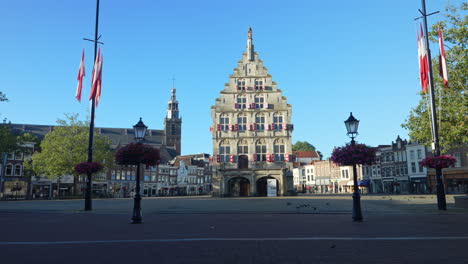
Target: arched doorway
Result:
[243, 162]
[262, 186]
[239, 186]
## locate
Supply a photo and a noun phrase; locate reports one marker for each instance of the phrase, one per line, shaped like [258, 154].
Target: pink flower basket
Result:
[88, 167]
[439, 162]
[134, 154]
[353, 154]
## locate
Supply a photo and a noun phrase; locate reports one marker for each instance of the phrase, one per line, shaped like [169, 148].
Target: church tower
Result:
[251, 132]
[173, 123]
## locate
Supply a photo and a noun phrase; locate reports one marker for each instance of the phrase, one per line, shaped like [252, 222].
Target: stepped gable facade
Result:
[251, 132]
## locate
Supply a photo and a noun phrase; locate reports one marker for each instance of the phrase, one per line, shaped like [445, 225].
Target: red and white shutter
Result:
[254, 126]
[254, 157]
[218, 127]
[248, 126]
[284, 126]
[218, 158]
[236, 106]
[231, 127]
[231, 158]
[268, 157]
[272, 157]
[236, 127]
[286, 157]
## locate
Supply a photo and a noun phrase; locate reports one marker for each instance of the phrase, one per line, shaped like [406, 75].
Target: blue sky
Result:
[328, 57]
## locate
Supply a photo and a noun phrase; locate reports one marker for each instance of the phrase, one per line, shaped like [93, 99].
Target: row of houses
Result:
[184, 175]
[397, 170]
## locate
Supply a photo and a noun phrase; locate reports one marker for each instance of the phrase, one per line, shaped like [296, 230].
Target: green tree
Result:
[66, 146]
[8, 141]
[3, 97]
[452, 102]
[305, 146]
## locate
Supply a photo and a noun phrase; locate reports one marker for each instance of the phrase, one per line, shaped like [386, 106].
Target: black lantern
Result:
[140, 130]
[352, 125]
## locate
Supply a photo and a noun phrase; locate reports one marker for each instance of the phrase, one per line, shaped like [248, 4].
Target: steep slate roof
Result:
[118, 137]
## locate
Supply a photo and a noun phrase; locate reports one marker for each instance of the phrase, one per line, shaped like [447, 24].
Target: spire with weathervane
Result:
[173, 123]
[250, 46]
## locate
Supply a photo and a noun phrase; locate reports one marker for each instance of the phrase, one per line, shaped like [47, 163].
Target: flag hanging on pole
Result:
[442, 60]
[79, 78]
[98, 88]
[423, 63]
[96, 78]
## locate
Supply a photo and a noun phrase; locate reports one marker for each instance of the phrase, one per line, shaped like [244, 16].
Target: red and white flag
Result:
[81, 74]
[96, 79]
[423, 63]
[442, 60]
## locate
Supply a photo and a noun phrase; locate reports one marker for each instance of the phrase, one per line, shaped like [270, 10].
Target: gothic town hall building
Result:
[251, 133]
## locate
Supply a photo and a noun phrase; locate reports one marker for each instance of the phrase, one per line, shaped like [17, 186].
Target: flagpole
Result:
[88, 194]
[441, 202]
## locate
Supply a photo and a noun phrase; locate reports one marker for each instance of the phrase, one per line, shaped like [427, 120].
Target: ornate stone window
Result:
[260, 150]
[278, 121]
[224, 122]
[224, 151]
[260, 122]
[241, 101]
[240, 85]
[258, 85]
[259, 100]
[279, 149]
[242, 147]
[9, 170]
[242, 122]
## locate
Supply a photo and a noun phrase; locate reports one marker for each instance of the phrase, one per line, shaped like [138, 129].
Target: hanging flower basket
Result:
[134, 154]
[88, 167]
[353, 154]
[439, 162]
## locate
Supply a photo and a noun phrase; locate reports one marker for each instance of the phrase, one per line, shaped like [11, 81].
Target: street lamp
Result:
[352, 127]
[140, 132]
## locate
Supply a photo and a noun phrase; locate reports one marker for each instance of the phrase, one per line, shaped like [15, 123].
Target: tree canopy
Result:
[66, 146]
[3, 97]
[305, 146]
[451, 103]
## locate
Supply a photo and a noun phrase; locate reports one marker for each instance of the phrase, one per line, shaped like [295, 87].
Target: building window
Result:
[419, 154]
[242, 147]
[241, 102]
[259, 100]
[241, 85]
[9, 170]
[457, 156]
[421, 169]
[258, 85]
[118, 175]
[277, 121]
[17, 170]
[279, 149]
[260, 122]
[260, 150]
[242, 122]
[112, 174]
[411, 154]
[133, 175]
[153, 176]
[413, 167]
[19, 156]
[224, 152]
[224, 122]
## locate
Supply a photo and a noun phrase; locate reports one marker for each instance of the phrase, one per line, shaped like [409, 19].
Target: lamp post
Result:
[352, 127]
[140, 131]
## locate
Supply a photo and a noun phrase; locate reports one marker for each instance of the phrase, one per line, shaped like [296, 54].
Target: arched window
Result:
[279, 149]
[242, 122]
[224, 122]
[260, 122]
[259, 100]
[17, 170]
[224, 151]
[260, 150]
[278, 121]
[242, 147]
[241, 101]
[9, 170]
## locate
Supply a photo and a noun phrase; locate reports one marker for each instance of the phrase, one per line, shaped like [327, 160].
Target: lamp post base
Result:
[357, 214]
[136, 218]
